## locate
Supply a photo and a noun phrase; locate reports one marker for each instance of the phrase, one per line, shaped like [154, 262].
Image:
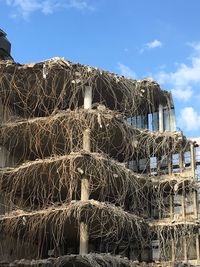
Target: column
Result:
[197, 247]
[161, 121]
[193, 163]
[3, 159]
[173, 250]
[171, 203]
[158, 164]
[85, 181]
[185, 248]
[193, 171]
[195, 203]
[181, 161]
[170, 165]
[172, 120]
[183, 201]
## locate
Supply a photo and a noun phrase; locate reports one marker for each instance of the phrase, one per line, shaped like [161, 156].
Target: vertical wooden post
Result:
[85, 182]
[161, 119]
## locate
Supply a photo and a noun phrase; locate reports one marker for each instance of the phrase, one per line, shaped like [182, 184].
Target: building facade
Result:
[93, 171]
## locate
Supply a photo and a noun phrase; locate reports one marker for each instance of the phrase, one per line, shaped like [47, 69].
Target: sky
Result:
[134, 38]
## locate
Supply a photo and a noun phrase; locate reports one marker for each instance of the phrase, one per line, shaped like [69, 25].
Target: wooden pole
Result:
[85, 182]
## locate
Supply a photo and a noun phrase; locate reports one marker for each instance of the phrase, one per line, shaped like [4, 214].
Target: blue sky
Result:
[136, 38]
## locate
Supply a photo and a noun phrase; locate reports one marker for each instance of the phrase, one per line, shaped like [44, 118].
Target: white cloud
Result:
[189, 119]
[195, 46]
[184, 77]
[126, 71]
[154, 44]
[26, 7]
[151, 45]
[181, 94]
[79, 4]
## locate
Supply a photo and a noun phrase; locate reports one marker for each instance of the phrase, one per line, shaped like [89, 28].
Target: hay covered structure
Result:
[93, 172]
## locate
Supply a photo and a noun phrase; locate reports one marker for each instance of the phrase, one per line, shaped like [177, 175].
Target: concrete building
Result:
[93, 171]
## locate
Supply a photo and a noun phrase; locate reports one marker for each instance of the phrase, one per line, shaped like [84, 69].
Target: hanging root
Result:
[174, 236]
[56, 224]
[57, 84]
[44, 123]
[42, 182]
[63, 133]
